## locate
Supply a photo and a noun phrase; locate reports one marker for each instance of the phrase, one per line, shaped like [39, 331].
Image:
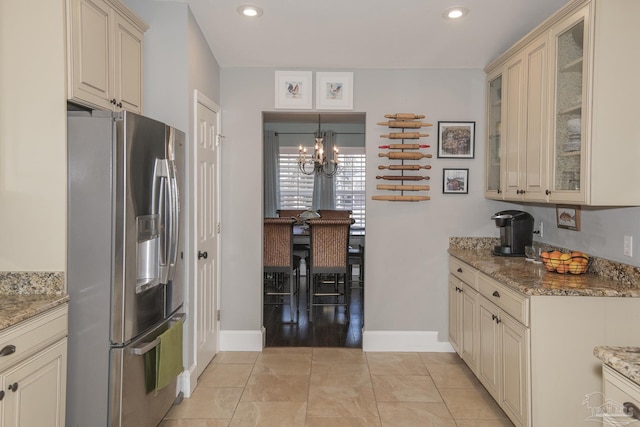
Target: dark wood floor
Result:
[330, 326]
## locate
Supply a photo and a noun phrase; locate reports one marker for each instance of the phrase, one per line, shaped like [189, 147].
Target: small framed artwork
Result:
[334, 91]
[455, 181]
[294, 90]
[568, 217]
[456, 140]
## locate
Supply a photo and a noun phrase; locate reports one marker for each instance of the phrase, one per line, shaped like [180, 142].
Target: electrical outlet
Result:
[628, 246]
[541, 229]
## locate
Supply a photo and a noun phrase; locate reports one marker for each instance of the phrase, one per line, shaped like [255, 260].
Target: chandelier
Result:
[319, 163]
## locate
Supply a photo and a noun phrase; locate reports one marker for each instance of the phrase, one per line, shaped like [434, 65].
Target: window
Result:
[296, 188]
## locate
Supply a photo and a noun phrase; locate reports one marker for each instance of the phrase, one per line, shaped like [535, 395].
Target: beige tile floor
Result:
[324, 387]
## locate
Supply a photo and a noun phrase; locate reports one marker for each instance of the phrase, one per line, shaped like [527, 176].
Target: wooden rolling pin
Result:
[404, 146]
[404, 135]
[401, 124]
[402, 187]
[402, 177]
[404, 167]
[401, 198]
[404, 116]
[405, 156]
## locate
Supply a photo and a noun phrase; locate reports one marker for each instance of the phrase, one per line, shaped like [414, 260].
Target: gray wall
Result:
[602, 231]
[406, 263]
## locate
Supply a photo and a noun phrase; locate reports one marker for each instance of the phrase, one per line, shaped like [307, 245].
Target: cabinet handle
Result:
[631, 410]
[1, 394]
[459, 270]
[7, 350]
[13, 387]
[496, 294]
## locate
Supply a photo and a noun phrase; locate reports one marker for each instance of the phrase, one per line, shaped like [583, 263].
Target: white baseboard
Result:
[404, 341]
[187, 381]
[241, 340]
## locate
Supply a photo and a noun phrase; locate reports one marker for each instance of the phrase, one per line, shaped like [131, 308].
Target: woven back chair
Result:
[329, 256]
[280, 266]
[334, 213]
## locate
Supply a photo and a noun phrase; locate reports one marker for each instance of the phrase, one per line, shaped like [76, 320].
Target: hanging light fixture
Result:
[318, 163]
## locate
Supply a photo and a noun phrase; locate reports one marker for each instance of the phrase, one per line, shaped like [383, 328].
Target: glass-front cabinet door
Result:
[569, 142]
[494, 147]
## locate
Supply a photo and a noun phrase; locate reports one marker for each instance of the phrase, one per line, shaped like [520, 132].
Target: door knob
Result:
[203, 254]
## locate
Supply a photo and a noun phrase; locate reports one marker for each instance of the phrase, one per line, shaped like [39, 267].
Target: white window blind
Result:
[296, 188]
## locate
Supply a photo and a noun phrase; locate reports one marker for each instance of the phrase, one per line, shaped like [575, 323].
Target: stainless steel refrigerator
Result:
[124, 264]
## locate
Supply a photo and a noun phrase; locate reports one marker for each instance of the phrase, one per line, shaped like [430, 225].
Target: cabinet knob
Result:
[113, 101]
[7, 350]
[13, 387]
[547, 192]
[119, 104]
[498, 320]
[496, 294]
[499, 191]
[1, 394]
[459, 270]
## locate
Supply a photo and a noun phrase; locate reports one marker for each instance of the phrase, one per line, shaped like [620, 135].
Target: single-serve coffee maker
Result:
[516, 232]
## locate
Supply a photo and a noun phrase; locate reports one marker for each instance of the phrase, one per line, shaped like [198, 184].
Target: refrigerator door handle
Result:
[148, 346]
[165, 209]
[145, 347]
[174, 215]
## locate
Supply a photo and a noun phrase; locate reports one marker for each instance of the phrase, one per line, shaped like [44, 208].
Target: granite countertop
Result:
[26, 294]
[16, 308]
[625, 360]
[534, 279]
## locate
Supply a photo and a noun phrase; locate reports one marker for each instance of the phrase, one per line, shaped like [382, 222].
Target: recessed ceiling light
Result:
[454, 13]
[249, 10]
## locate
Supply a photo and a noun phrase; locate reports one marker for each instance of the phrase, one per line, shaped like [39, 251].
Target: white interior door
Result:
[207, 229]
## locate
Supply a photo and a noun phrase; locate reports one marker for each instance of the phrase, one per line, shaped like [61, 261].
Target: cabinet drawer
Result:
[30, 336]
[619, 390]
[514, 303]
[464, 272]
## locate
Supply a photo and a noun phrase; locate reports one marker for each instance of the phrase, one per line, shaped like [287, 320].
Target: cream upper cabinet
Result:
[495, 116]
[571, 78]
[105, 42]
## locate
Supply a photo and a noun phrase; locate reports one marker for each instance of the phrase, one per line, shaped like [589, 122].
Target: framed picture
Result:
[455, 181]
[334, 91]
[294, 90]
[456, 140]
[568, 217]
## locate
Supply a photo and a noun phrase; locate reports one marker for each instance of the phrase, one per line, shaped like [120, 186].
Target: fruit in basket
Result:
[576, 266]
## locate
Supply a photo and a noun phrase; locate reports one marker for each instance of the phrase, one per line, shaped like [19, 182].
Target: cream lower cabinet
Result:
[463, 311]
[622, 396]
[33, 372]
[535, 352]
[105, 55]
[504, 364]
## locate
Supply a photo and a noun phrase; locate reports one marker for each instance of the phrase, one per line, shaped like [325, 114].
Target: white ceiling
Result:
[360, 34]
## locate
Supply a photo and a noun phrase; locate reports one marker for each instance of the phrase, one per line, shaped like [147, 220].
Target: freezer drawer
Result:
[131, 405]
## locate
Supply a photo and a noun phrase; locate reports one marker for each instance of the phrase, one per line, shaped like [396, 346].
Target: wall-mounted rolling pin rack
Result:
[400, 154]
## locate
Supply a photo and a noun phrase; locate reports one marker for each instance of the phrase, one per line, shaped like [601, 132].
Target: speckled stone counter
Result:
[27, 294]
[534, 279]
[625, 360]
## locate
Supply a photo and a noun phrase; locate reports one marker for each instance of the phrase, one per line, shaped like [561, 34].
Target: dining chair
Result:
[334, 213]
[356, 257]
[299, 249]
[329, 257]
[281, 267]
